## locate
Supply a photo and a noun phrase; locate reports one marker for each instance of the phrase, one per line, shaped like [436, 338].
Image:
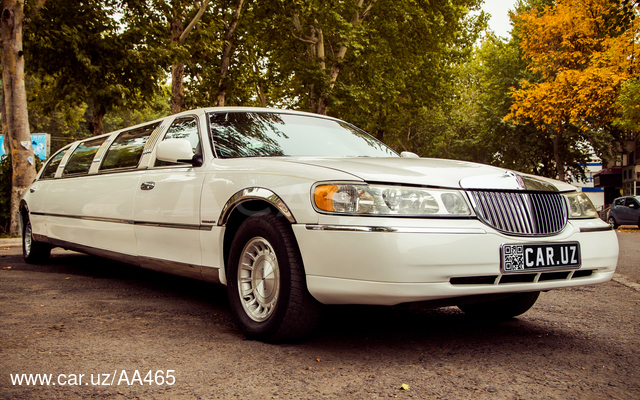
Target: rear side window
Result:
[126, 149]
[50, 169]
[80, 160]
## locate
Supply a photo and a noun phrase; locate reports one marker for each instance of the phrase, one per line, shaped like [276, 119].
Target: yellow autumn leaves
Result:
[582, 52]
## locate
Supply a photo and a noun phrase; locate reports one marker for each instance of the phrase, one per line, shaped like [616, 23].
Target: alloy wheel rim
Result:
[258, 279]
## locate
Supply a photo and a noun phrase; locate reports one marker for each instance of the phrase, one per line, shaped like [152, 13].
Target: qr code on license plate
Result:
[513, 258]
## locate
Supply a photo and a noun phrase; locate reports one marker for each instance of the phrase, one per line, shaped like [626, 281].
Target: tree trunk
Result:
[178, 36]
[177, 88]
[226, 54]
[99, 111]
[177, 69]
[15, 121]
[558, 158]
[323, 100]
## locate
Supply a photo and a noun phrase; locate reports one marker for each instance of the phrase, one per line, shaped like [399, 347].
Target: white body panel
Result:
[94, 211]
[168, 216]
[417, 264]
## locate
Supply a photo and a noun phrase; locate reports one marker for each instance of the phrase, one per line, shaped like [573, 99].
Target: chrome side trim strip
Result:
[99, 219]
[597, 229]
[254, 193]
[204, 227]
[124, 258]
[192, 227]
[384, 229]
[172, 267]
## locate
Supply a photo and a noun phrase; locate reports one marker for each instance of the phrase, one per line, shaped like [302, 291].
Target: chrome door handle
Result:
[147, 185]
[32, 189]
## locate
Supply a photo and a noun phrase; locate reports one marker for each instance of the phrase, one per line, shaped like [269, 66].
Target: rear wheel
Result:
[501, 309]
[612, 222]
[33, 252]
[266, 282]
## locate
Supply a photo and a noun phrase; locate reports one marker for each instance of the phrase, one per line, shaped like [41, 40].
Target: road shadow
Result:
[360, 331]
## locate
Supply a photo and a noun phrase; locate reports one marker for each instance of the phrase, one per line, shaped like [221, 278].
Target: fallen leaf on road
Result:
[404, 386]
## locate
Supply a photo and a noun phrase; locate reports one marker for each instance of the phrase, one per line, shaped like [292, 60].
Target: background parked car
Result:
[625, 211]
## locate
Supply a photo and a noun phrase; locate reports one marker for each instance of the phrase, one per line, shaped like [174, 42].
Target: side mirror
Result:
[177, 150]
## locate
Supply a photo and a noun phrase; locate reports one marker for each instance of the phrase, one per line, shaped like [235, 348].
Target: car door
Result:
[632, 211]
[167, 209]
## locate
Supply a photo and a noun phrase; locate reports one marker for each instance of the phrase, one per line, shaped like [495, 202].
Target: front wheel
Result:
[33, 252]
[266, 282]
[505, 308]
[612, 222]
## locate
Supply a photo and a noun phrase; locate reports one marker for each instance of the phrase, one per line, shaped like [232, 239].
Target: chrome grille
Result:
[523, 214]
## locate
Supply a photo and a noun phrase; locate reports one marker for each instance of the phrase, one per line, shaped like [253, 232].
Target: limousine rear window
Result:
[126, 149]
[50, 169]
[80, 160]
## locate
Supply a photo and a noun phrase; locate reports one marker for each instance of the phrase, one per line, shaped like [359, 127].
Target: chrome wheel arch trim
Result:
[254, 193]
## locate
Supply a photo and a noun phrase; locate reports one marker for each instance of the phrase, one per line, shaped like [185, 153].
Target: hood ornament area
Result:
[508, 181]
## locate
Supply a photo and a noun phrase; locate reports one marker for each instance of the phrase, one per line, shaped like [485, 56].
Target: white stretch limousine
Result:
[292, 210]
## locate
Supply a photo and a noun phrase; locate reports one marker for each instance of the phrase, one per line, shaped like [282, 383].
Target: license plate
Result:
[526, 257]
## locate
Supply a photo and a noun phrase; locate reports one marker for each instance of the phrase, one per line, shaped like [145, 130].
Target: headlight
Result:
[363, 199]
[580, 206]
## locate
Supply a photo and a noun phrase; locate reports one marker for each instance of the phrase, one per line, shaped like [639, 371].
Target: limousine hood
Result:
[435, 172]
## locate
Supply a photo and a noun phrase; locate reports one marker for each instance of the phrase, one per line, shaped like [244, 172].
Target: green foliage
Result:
[408, 72]
[64, 122]
[123, 117]
[87, 57]
[629, 106]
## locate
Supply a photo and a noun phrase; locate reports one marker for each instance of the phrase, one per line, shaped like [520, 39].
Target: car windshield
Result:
[264, 134]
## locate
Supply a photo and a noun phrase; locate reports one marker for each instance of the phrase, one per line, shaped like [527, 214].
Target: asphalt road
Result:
[629, 260]
[109, 331]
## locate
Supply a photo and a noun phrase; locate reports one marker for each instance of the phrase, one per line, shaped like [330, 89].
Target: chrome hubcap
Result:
[258, 279]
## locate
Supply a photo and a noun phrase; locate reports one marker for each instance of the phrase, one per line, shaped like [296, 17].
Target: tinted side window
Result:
[80, 160]
[126, 149]
[631, 203]
[52, 166]
[182, 128]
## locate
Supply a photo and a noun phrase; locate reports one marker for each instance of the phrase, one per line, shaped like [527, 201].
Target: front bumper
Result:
[372, 264]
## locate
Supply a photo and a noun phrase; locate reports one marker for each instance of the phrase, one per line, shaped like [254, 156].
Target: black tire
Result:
[612, 222]
[502, 309]
[33, 252]
[265, 260]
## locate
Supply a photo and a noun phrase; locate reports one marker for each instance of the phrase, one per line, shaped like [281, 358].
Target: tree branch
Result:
[192, 24]
[305, 40]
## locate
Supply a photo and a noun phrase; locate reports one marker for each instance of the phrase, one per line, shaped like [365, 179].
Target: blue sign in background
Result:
[39, 143]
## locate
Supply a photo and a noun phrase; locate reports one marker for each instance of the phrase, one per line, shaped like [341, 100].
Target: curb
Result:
[626, 282]
[11, 242]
